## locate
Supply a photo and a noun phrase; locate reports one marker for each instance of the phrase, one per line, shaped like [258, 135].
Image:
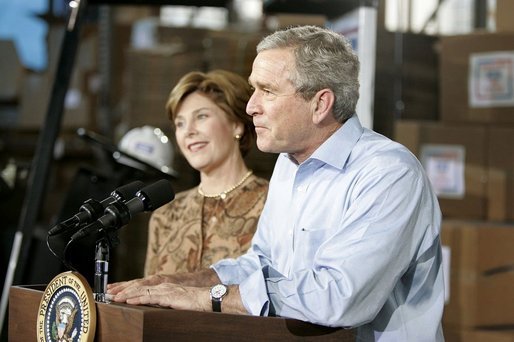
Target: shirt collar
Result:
[337, 148]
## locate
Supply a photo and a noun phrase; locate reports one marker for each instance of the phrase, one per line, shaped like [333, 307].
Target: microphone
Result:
[92, 209]
[118, 214]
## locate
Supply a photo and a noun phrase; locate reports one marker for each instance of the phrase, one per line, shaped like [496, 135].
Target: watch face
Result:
[218, 291]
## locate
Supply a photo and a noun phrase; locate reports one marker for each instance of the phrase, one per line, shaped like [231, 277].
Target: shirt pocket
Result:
[310, 242]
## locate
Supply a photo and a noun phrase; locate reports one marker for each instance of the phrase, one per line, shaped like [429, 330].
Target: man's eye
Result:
[268, 93]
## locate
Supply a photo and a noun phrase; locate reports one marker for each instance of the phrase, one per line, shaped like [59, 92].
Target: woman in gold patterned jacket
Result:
[218, 218]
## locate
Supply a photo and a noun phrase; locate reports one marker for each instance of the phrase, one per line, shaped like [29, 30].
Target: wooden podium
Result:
[122, 322]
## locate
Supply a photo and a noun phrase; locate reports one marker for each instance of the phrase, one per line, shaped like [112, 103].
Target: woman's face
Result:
[204, 133]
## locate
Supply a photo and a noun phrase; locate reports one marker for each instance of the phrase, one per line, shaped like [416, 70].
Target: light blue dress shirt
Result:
[348, 238]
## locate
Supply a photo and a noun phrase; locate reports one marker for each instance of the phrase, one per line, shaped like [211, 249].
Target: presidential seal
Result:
[67, 310]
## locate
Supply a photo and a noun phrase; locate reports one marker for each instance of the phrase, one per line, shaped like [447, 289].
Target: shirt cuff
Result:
[254, 295]
[252, 288]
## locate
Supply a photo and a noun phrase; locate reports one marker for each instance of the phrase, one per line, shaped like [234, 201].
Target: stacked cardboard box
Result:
[151, 74]
[477, 87]
[477, 103]
[191, 38]
[481, 277]
[500, 184]
[469, 156]
[454, 157]
[232, 51]
[477, 73]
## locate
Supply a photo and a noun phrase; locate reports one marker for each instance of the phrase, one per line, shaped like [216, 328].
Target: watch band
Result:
[216, 305]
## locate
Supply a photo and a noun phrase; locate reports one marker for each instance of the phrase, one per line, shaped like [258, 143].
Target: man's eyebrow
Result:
[261, 85]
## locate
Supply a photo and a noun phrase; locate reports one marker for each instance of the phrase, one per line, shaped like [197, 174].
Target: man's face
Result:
[282, 118]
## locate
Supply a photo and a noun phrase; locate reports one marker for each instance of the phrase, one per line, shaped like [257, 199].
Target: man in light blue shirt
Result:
[349, 235]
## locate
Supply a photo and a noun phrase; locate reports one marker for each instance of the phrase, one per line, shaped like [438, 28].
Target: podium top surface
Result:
[122, 322]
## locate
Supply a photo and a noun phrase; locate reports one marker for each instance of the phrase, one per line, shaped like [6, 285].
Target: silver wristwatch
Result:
[217, 293]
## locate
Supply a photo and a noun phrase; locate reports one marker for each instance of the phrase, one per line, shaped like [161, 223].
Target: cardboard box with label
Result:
[481, 276]
[477, 78]
[454, 157]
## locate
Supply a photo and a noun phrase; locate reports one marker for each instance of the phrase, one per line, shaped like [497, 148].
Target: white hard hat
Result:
[150, 145]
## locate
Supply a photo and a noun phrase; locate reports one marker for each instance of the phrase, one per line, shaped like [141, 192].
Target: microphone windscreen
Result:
[156, 194]
[127, 191]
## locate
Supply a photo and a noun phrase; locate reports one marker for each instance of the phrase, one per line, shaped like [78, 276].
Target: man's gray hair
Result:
[323, 59]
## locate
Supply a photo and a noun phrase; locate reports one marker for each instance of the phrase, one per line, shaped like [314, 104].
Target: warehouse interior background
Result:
[436, 75]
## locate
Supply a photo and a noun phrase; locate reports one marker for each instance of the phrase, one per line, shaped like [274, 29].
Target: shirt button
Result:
[301, 188]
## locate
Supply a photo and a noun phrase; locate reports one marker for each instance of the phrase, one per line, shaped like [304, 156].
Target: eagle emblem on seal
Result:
[65, 312]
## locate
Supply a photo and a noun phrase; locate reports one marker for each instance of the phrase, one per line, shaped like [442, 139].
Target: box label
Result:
[491, 79]
[444, 165]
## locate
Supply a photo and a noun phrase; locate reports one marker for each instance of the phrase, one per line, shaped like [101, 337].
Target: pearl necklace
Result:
[223, 194]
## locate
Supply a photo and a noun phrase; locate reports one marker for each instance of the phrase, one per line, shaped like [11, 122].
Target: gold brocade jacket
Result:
[193, 232]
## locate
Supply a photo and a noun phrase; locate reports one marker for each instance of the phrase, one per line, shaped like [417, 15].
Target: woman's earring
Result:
[237, 136]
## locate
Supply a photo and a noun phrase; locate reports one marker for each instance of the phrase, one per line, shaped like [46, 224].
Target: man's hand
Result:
[185, 291]
[167, 295]
[115, 288]
[203, 278]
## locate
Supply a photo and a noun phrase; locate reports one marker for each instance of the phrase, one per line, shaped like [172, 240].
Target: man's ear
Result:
[323, 103]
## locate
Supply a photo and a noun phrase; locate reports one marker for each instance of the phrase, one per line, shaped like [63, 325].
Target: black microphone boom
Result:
[118, 214]
[92, 209]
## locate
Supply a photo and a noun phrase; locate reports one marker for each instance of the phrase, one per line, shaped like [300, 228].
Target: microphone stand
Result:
[101, 270]
[102, 255]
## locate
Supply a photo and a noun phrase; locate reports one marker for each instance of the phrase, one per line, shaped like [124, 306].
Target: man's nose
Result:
[252, 108]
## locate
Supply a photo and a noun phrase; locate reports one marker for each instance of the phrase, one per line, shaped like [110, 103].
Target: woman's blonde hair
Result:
[227, 90]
